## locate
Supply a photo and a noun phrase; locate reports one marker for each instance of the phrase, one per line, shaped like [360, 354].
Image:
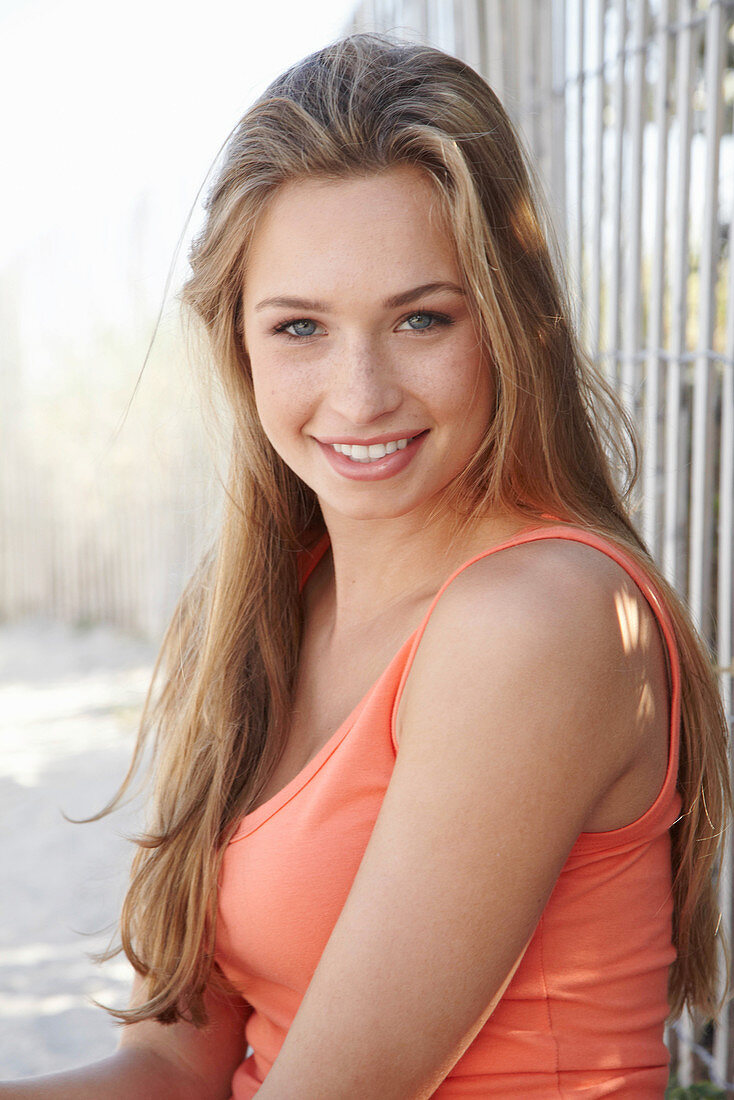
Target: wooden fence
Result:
[102, 514]
[627, 107]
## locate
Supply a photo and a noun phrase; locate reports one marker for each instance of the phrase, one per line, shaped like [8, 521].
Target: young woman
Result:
[440, 765]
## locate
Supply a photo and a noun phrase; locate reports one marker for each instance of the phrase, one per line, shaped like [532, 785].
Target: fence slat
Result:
[629, 378]
[702, 457]
[651, 435]
[544, 105]
[592, 231]
[679, 298]
[558, 146]
[576, 118]
[615, 245]
[469, 11]
[495, 47]
[522, 69]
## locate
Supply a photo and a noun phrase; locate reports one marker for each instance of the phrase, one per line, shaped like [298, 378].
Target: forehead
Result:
[386, 228]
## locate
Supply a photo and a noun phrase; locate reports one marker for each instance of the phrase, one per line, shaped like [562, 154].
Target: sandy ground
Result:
[69, 701]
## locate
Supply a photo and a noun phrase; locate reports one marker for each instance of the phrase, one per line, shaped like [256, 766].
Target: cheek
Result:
[484, 387]
[477, 376]
[281, 396]
[268, 396]
[474, 397]
[462, 385]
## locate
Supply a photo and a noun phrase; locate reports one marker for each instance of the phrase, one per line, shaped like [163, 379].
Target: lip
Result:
[385, 437]
[378, 470]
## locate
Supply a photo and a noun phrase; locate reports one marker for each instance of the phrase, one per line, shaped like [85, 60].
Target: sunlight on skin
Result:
[646, 705]
[629, 621]
[635, 634]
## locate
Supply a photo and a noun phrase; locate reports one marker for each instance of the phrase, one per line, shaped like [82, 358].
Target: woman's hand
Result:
[128, 1073]
[155, 1062]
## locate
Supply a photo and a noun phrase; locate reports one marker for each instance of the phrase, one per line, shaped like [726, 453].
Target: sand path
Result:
[69, 702]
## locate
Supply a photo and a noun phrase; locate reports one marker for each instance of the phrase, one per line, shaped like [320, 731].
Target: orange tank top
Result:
[584, 1011]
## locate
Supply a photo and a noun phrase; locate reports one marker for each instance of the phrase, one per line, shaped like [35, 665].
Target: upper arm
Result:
[206, 1058]
[517, 716]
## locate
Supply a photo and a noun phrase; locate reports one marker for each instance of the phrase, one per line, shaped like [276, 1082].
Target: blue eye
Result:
[299, 328]
[424, 320]
[420, 320]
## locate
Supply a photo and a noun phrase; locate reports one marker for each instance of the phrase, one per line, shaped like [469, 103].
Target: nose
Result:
[363, 384]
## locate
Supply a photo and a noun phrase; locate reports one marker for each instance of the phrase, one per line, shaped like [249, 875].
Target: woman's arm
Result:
[155, 1062]
[128, 1073]
[521, 711]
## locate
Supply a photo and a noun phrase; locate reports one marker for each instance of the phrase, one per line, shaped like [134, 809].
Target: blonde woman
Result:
[440, 765]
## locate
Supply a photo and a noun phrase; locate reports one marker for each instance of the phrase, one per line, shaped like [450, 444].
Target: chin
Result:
[364, 512]
[374, 508]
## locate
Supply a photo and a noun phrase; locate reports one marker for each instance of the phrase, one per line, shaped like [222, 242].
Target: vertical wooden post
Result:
[652, 433]
[674, 440]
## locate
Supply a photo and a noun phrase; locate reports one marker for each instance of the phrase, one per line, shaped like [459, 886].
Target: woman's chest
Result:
[290, 865]
[330, 687]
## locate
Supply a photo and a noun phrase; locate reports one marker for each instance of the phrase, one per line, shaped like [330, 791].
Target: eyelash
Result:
[439, 319]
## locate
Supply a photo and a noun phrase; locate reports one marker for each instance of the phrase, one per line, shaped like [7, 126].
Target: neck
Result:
[377, 564]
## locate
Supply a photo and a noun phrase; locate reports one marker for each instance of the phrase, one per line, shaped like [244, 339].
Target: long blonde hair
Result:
[557, 442]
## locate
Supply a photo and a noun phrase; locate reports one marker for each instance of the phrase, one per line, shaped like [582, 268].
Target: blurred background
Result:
[111, 118]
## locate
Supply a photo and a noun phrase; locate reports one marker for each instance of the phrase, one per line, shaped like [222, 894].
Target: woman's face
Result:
[365, 362]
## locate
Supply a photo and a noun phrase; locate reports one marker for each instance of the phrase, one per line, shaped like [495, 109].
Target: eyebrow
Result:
[394, 302]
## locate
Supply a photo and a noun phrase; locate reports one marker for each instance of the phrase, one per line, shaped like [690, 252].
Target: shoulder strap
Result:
[630, 566]
[309, 559]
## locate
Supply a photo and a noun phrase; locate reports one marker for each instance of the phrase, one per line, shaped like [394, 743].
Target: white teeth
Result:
[358, 452]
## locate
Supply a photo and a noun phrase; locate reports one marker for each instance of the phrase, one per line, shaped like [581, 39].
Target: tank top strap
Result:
[638, 575]
[309, 559]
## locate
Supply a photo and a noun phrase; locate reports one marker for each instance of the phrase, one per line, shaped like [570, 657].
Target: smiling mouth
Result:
[372, 452]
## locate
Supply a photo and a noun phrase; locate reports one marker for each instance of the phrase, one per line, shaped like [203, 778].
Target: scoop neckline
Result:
[262, 813]
[257, 817]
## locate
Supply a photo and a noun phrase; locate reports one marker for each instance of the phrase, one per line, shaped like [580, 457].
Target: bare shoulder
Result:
[546, 564]
[550, 591]
[552, 627]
